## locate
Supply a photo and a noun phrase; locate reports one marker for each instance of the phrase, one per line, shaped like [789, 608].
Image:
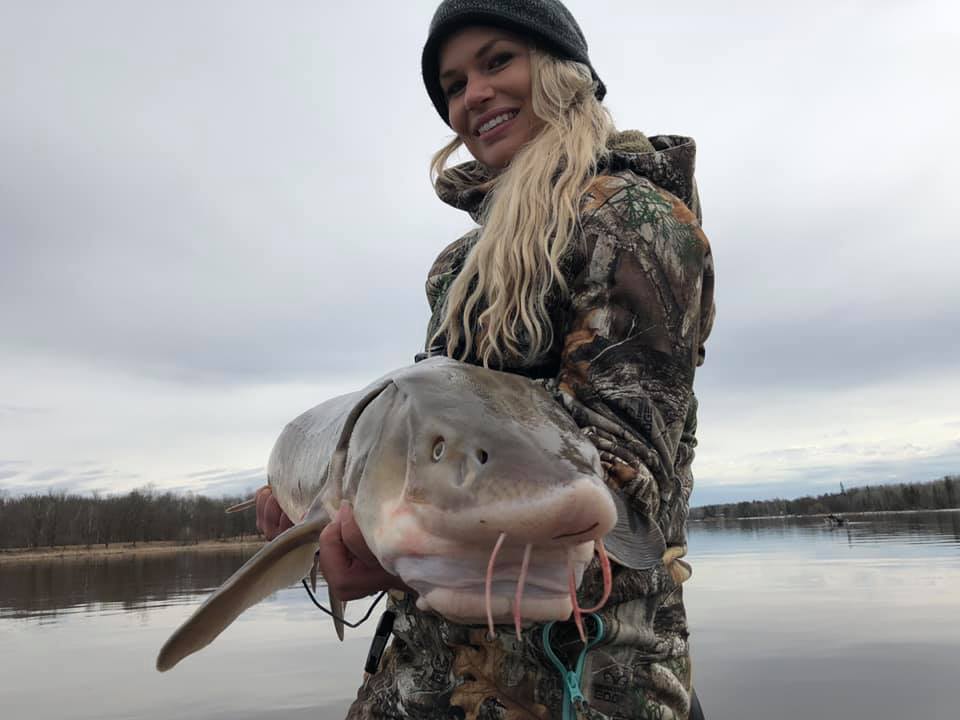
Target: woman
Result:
[590, 273]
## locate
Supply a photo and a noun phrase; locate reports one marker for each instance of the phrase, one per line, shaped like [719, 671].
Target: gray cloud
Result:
[239, 198]
[226, 482]
[21, 410]
[11, 468]
[94, 473]
[207, 473]
[832, 350]
[49, 474]
[225, 475]
[813, 479]
[173, 255]
[62, 480]
[107, 484]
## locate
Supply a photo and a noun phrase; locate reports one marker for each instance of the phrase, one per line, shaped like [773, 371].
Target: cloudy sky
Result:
[214, 215]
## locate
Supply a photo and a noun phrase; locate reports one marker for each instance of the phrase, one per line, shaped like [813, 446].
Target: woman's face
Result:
[485, 75]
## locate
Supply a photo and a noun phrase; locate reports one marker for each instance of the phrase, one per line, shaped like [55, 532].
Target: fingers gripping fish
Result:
[472, 485]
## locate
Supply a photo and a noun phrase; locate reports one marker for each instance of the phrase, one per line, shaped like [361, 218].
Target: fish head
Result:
[466, 456]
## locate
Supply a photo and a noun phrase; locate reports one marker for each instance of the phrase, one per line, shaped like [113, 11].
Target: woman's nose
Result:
[477, 92]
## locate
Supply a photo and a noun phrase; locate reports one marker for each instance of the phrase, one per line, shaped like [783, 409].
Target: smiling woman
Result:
[589, 274]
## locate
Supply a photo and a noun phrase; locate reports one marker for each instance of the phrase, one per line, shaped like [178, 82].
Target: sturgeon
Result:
[472, 485]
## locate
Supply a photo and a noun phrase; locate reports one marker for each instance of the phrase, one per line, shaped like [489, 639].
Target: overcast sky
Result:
[214, 215]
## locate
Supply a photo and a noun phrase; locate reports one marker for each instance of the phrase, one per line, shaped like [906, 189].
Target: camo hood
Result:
[668, 161]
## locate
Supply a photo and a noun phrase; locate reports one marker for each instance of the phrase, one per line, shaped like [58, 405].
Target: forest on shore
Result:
[57, 519]
[935, 495]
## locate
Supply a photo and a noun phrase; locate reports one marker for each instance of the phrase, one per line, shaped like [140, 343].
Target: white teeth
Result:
[491, 124]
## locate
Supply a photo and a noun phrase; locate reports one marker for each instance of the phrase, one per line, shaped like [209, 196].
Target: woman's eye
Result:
[454, 88]
[500, 59]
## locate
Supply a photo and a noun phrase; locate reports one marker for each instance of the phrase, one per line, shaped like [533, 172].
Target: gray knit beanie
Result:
[547, 22]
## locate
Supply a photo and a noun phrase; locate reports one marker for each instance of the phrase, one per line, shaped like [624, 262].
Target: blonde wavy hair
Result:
[497, 306]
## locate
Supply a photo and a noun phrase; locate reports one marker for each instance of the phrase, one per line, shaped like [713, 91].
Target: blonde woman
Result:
[588, 271]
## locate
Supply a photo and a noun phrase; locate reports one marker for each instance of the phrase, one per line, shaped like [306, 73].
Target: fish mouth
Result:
[467, 572]
[459, 590]
[578, 532]
[470, 607]
[464, 588]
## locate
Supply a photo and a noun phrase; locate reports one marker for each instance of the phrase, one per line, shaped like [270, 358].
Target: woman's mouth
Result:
[495, 123]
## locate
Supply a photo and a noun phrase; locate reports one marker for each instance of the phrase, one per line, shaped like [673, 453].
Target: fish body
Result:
[472, 485]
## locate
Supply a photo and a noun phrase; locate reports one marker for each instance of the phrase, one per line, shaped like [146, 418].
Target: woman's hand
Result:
[346, 563]
[271, 519]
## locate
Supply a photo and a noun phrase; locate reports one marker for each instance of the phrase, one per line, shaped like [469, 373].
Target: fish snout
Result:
[568, 514]
[472, 464]
[572, 515]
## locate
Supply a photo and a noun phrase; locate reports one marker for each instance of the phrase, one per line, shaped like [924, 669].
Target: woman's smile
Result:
[497, 127]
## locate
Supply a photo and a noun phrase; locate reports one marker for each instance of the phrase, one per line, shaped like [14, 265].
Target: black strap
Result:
[696, 712]
[379, 642]
[359, 622]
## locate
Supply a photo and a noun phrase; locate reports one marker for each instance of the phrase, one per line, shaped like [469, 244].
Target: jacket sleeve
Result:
[640, 310]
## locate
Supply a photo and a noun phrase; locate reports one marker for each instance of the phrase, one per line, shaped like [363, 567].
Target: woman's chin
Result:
[497, 155]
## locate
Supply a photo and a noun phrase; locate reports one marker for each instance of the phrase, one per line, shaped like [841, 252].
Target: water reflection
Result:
[912, 534]
[46, 589]
[790, 619]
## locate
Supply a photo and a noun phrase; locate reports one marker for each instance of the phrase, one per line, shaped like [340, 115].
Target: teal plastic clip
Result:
[572, 695]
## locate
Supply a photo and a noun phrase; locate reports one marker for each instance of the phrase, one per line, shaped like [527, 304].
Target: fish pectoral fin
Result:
[282, 562]
[635, 541]
[338, 607]
[252, 502]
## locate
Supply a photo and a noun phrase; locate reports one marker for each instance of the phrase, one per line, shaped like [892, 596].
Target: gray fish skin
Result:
[512, 462]
[438, 460]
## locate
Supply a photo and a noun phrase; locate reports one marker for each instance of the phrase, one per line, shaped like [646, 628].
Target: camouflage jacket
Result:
[629, 337]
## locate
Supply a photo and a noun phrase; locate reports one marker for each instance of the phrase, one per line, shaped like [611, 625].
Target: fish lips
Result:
[452, 584]
[469, 607]
[571, 514]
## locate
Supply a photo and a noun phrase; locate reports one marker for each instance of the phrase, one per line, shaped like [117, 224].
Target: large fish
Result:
[474, 486]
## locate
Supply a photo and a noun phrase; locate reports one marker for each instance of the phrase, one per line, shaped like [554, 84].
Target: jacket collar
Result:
[666, 160]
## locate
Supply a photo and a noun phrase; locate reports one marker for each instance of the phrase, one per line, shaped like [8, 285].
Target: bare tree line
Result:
[59, 518]
[935, 495]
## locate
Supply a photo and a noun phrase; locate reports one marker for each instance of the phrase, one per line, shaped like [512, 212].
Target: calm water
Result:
[789, 619]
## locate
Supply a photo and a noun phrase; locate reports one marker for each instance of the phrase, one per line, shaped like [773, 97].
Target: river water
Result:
[790, 619]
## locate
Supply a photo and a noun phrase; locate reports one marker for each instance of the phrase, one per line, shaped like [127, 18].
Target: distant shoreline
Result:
[942, 494]
[171, 547]
[157, 547]
[859, 513]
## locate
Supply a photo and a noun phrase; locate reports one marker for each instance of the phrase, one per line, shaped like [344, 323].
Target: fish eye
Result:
[438, 447]
[482, 456]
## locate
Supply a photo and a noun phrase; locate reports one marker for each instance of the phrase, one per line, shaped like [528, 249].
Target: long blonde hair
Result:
[530, 219]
